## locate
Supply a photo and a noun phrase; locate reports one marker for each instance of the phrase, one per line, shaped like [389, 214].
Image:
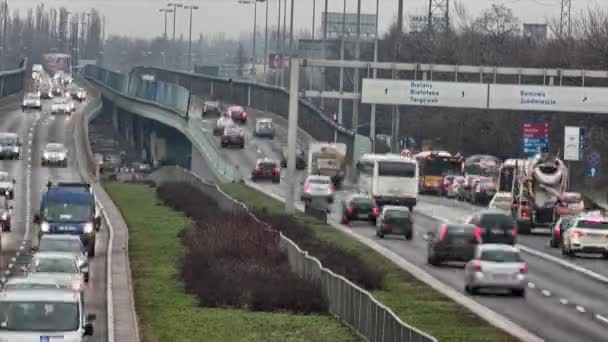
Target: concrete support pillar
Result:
[153, 154]
[248, 96]
[140, 133]
[212, 89]
[115, 118]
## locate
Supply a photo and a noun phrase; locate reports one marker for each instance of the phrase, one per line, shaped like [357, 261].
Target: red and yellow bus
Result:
[434, 166]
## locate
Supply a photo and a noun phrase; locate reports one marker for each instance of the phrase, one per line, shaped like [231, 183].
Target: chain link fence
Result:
[348, 302]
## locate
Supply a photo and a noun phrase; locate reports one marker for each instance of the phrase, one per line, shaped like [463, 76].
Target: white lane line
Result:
[580, 309]
[3, 279]
[13, 259]
[546, 293]
[563, 301]
[7, 272]
[601, 318]
[11, 265]
[531, 285]
[21, 248]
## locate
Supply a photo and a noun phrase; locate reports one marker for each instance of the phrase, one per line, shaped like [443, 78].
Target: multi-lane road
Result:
[563, 303]
[35, 129]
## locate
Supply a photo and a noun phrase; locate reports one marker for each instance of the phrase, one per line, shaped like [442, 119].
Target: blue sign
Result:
[44, 339]
[534, 146]
[581, 143]
[592, 172]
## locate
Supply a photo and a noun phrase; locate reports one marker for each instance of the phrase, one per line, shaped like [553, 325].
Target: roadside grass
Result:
[167, 313]
[413, 301]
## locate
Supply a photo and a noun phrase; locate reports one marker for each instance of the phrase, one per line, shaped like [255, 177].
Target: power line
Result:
[439, 16]
[565, 21]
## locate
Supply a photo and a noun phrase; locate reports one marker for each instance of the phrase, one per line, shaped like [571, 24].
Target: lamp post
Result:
[191, 8]
[292, 123]
[255, 25]
[266, 41]
[175, 7]
[165, 11]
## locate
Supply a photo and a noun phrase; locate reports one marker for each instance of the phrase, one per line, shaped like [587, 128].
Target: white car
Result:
[41, 314]
[62, 106]
[65, 243]
[587, 234]
[55, 154]
[7, 185]
[496, 266]
[31, 101]
[61, 266]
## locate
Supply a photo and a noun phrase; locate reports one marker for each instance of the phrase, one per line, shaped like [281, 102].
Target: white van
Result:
[395, 181]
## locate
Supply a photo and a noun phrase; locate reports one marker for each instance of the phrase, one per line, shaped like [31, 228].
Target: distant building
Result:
[536, 34]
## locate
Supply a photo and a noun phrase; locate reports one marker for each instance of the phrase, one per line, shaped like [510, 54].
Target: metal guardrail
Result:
[13, 81]
[349, 303]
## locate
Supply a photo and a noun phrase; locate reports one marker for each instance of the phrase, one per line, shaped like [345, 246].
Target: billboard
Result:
[313, 48]
[337, 22]
[574, 143]
[548, 98]
[424, 93]
[420, 23]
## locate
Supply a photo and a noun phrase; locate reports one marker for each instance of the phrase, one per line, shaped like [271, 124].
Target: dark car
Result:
[237, 113]
[212, 108]
[395, 220]
[221, 124]
[464, 192]
[233, 136]
[359, 207]
[300, 158]
[5, 214]
[451, 242]
[494, 226]
[557, 231]
[266, 169]
[483, 190]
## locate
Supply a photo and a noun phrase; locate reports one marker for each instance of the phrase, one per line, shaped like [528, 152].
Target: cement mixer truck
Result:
[328, 159]
[538, 185]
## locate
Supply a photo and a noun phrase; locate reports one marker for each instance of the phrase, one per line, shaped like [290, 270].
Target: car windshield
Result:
[397, 214]
[8, 140]
[5, 177]
[54, 148]
[55, 265]
[502, 200]
[31, 97]
[319, 181]
[500, 256]
[236, 110]
[497, 220]
[66, 212]
[56, 245]
[592, 224]
[265, 124]
[39, 316]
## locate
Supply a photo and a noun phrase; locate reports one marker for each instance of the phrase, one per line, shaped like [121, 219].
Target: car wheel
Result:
[436, 262]
[223, 145]
[283, 163]
[553, 243]
[276, 180]
[473, 290]
[524, 228]
[380, 235]
[467, 289]
[605, 255]
[242, 145]
[344, 220]
[409, 235]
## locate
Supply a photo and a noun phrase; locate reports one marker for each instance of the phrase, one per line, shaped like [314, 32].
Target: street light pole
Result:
[266, 41]
[191, 8]
[278, 52]
[175, 6]
[292, 123]
[355, 117]
[255, 33]
[372, 127]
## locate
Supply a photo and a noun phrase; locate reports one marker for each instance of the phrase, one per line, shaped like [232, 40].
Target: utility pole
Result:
[439, 9]
[279, 52]
[342, 43]
[266, 42]
[324, 52]
[284, 42]
[292, 123]
[565, 20]
[400, 18]
[372, 127]
[355, 117]
[191, 8]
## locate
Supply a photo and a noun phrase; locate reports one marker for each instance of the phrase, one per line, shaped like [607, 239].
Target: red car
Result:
[266, 169]
[237, 113]
[233, 136]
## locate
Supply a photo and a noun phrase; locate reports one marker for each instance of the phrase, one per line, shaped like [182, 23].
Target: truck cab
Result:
[69, 208]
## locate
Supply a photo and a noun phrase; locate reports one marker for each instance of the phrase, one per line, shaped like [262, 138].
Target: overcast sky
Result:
[141, 18]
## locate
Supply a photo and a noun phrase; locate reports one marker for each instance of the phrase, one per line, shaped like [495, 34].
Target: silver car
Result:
[34, 315]
[67, 244]
[55, 154]
[264, 128]
[496, 266]
[59, 265]
[318, 187]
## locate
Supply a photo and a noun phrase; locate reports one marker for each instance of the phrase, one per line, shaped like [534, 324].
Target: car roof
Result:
[42, 295]
[54, 255]
[8, 135]
[395, 207]
[61, 237]
[264, 120]
[235, 107]
[34, 278]
[320, 177]
[492, 211]
[54, 145]
[3, 173]
[497, 247]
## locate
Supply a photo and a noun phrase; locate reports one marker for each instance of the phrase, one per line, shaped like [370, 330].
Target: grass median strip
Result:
[167, 313]
[413, 301]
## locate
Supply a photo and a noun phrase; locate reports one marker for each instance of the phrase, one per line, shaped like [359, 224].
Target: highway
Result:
[561, 304]
[35, 129]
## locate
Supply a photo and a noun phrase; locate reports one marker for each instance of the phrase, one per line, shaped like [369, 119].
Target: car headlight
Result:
[88, 227]
[77, 285]
[45, 155]
[45, 227]
[4, 216]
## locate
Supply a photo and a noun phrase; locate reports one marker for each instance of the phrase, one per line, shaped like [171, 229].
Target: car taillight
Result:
[375, 211]
[581, 205]
[244, 114]
[478, 189]
[349, 208]
[514, 231]
[477, 265]
[276, 171]
[523, 268]
[385, 225]
[557, 230]
[307, 187]
[443, 233]
[229, 114]
[477, 231]
[331, 188]
[577, 233]
[524, 213]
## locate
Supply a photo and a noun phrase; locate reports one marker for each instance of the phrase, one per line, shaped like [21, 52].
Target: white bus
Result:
[365, 171]
[394, 180]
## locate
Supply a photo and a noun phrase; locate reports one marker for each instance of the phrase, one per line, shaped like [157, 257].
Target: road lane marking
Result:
[531, 285]
[546, 293]
[563, 301]
[11, 265]
[580, 309]
[7, 272]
